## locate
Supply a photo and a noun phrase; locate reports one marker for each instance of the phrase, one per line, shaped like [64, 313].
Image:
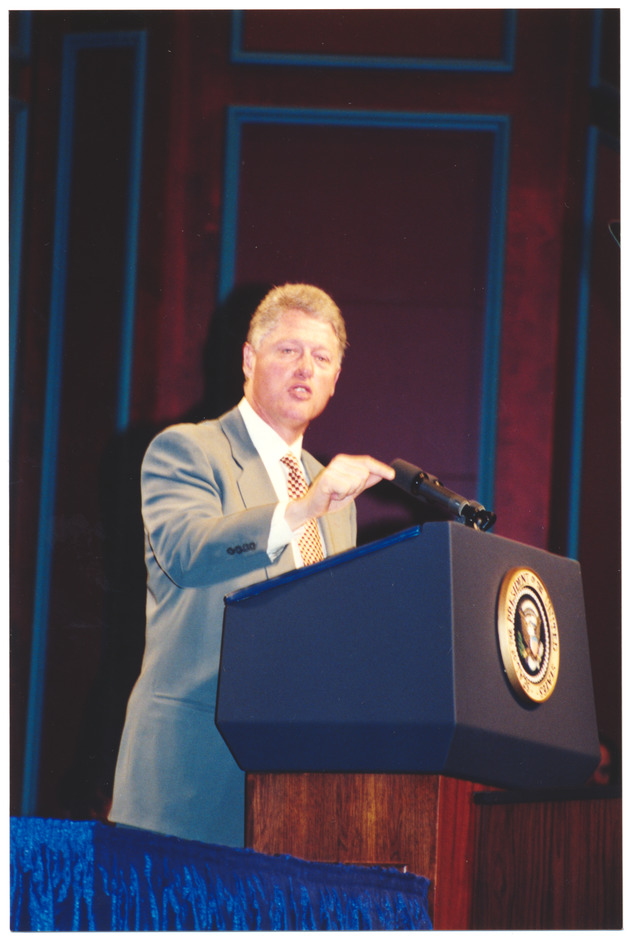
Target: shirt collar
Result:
[267, 442]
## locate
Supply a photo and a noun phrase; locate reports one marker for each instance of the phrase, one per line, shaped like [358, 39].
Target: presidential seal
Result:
[528, 635]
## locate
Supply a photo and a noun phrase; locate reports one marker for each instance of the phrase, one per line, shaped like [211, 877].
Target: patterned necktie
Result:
[310, 543]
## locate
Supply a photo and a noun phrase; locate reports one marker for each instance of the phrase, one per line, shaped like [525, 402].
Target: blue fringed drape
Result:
[88, 876]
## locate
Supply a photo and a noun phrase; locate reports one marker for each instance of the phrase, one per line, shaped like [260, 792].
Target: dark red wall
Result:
[394, 223]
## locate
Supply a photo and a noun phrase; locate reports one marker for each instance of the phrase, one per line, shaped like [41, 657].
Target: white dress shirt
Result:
[272, 448]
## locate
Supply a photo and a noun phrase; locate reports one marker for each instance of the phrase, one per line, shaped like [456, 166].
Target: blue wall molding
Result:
[596, 81]
[505, 63]
[499, 127]
[595, 139]
[20, 48]
[73, 45]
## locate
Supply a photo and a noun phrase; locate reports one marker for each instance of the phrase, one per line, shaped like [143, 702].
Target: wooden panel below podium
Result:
[548, 861]
[389, 820]
[495, 859]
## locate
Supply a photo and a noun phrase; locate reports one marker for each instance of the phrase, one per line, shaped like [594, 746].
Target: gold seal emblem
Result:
[528, 635]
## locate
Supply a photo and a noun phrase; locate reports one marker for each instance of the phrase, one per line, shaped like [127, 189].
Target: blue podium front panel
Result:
[385, 659]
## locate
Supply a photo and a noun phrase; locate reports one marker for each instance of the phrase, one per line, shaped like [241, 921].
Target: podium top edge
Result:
[331, 562]
[341, 558]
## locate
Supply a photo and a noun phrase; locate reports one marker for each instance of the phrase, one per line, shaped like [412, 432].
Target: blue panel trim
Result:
[581, 347]
[596, 82]
[227, 263]
[499, 125]
[50, 441]
[246, 114]
[72, 45]
[493, 319]
[596, 47]
[22, 47]
[16, 227]
[505, 64]
[133, 223]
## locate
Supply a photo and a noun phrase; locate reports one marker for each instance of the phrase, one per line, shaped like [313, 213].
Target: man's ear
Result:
[335, 382]
[248, 359]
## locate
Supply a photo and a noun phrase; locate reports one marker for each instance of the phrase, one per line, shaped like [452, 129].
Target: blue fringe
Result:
[81, 876]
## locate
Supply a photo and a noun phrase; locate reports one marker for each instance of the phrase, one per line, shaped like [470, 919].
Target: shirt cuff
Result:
[280, 533]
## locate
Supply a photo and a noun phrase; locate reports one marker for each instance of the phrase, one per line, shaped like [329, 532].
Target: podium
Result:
[369, 695]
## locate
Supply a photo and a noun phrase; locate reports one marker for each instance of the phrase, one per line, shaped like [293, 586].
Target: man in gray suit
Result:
[219, 514]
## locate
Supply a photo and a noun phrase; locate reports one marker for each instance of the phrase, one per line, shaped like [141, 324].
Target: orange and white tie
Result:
[309, 543]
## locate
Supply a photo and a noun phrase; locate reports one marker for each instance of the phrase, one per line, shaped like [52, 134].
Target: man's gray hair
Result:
[305, 297]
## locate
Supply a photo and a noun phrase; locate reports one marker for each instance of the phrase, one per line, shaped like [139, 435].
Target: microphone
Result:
[428, 488]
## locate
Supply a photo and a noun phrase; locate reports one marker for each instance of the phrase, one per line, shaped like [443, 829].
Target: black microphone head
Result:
[406, 475]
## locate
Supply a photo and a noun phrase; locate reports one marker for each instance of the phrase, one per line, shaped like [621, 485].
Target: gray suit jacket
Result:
[207, 504]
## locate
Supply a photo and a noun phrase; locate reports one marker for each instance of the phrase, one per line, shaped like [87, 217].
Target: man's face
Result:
[292, 375]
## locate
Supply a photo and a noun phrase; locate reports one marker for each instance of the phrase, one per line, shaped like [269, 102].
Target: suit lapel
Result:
[257, 489]
[251, 477]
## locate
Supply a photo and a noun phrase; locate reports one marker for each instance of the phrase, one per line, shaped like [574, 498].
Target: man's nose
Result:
[305, 364]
